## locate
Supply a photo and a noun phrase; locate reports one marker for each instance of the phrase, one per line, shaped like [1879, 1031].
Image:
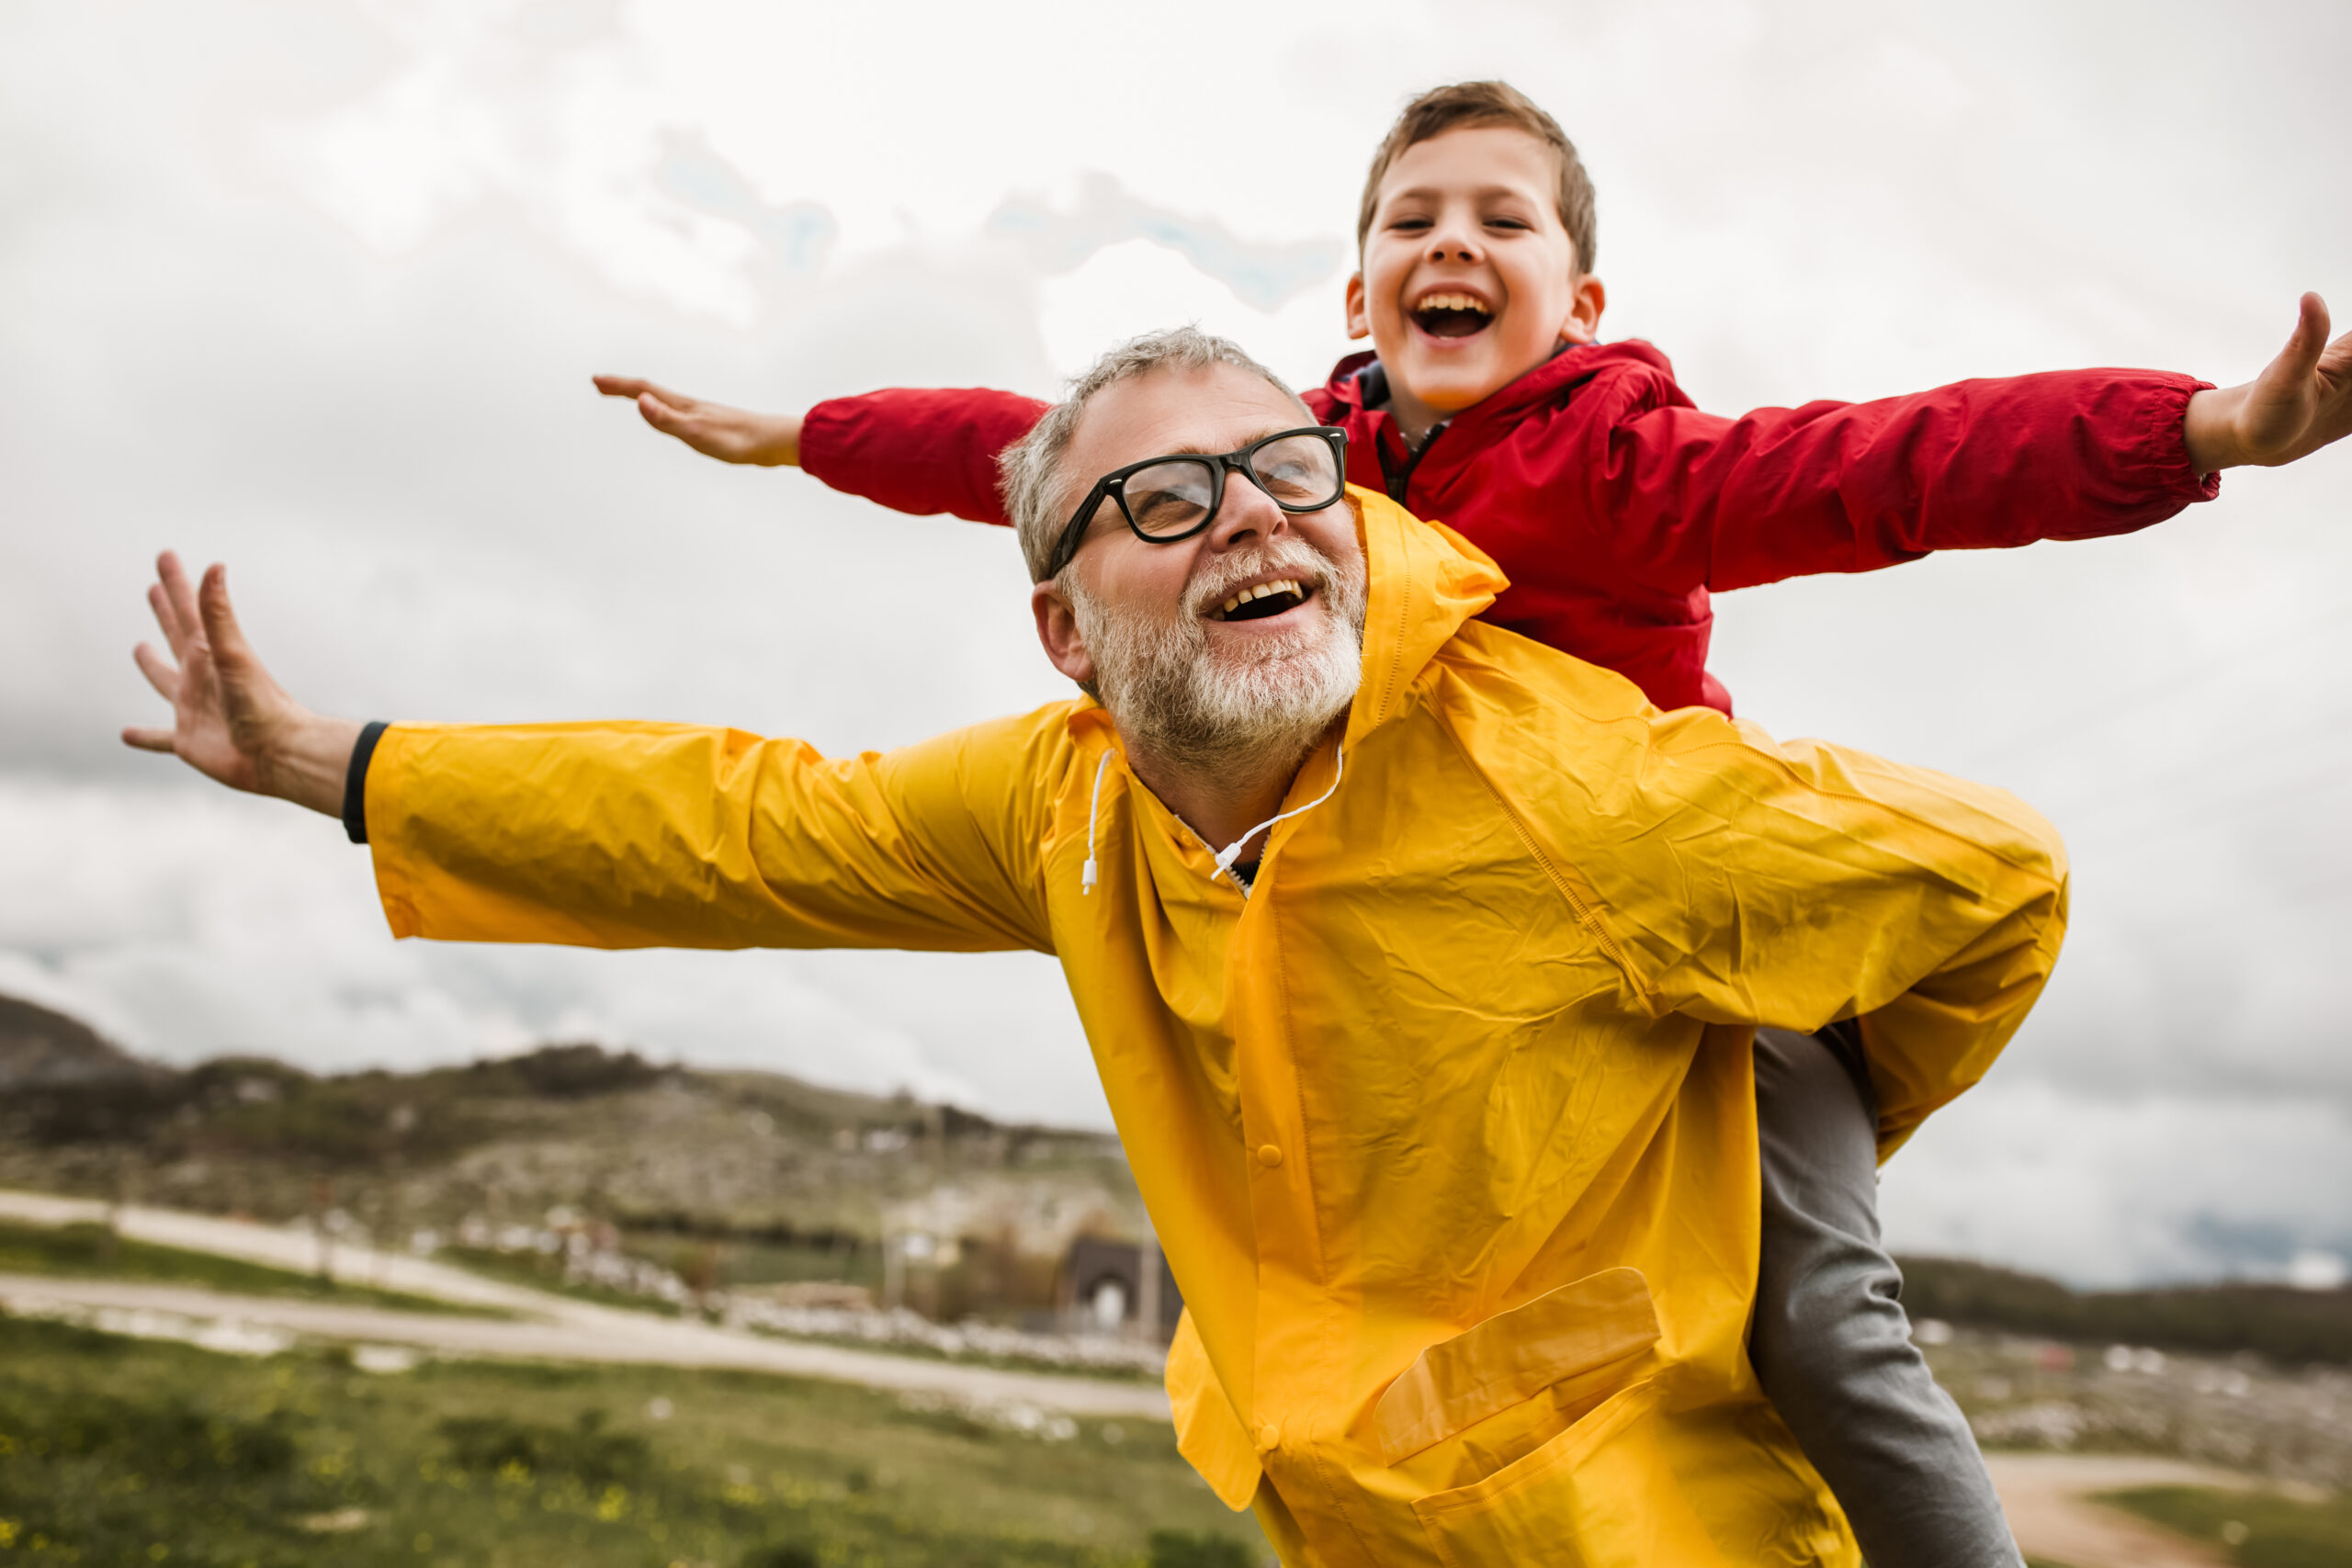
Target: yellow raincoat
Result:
[1448, 1126]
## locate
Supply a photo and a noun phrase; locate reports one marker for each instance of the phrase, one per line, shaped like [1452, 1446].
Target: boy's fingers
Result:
[2309, 340]
[161, 672]
[638, 387]
[664, 418]
[147, 739]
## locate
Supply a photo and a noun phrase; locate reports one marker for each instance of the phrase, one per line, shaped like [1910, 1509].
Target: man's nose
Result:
[1248, 513]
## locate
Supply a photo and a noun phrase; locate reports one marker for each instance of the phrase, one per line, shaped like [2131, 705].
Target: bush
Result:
[487, 1445]
[783, 1554]
[1176, 1549]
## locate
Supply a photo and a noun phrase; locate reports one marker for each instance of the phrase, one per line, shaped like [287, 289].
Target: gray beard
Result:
[1173, 698]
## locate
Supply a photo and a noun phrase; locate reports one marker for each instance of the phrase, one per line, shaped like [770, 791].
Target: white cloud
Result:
[317, 290]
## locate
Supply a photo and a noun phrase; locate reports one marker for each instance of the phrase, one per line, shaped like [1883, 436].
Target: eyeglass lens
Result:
[1175, 496]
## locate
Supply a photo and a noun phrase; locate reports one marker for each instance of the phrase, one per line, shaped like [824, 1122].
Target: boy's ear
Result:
[1058, 633]
[1585, 306]
[1358, 317]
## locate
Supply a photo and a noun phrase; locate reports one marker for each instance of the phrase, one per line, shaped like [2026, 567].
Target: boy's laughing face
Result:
[1469, 278]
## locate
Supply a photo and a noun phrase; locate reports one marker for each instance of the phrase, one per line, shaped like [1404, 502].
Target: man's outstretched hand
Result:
[231, 721]
[2301, 401]
[731, 436]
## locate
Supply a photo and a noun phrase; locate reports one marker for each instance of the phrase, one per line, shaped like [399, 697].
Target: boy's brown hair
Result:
[1461, 104]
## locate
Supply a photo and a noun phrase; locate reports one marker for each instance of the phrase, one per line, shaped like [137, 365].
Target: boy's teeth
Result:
[1451, 302]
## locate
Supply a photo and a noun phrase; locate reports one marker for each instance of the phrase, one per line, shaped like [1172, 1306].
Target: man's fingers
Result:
[161, 672]
[230, 650]
[167, 620]
[147, 739]
[180, 595]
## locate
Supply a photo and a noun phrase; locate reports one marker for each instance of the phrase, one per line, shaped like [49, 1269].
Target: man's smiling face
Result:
[1469, 278]
[1242, 634]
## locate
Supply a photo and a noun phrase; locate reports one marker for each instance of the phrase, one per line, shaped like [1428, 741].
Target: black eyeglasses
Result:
[1168, 499]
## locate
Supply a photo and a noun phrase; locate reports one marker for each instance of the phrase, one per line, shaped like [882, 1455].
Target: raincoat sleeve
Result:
[1792, 886]
[919, 450]
[639, 835]
[1691, 499]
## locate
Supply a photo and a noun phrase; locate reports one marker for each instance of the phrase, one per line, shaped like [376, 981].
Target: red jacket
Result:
[1616, 507]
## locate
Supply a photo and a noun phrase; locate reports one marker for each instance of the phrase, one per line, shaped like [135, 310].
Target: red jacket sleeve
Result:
[1694, 500]
[918, 450]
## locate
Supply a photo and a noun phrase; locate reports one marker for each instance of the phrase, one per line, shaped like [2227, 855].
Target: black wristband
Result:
[355, 783]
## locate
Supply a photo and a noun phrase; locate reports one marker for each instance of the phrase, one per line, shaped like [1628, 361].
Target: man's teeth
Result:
[1452, 302]
[1281, 585]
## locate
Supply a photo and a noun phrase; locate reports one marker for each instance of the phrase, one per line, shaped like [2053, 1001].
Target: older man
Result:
[1419, 962]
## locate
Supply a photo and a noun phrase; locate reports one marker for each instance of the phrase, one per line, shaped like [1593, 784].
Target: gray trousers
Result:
[1831, 1343]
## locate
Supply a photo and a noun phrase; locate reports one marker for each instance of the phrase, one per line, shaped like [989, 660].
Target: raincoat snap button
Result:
[1269, 1436]
[1269, 1156]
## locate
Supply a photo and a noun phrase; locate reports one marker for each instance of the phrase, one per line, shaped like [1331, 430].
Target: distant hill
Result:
[41, 1049]
[2284, 1324]
[604, 1134]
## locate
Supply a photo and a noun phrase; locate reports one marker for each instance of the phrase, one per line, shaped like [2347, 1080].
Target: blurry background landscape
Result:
[316, 290]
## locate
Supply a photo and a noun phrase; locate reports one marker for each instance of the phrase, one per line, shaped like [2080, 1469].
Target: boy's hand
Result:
[231, 721]
[2301, 401]
[731, 436]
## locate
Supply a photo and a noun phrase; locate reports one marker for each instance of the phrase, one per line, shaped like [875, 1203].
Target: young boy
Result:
[1616, 507]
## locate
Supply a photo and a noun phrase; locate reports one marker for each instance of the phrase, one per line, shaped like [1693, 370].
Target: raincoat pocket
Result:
[1512, 1357]
[1599, 1496]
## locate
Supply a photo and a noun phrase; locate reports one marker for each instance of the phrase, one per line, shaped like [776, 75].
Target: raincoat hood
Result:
[1446, 1128]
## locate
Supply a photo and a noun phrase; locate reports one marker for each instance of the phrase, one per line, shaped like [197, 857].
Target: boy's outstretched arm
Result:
[917, 450]
[715, 430]
[2301, 402]
[1685, 500]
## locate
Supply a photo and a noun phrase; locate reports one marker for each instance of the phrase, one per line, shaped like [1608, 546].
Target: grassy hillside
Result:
[119, 1451]
[2288, 1325]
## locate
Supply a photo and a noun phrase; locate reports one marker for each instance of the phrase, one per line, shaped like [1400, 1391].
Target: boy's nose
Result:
[1450, 242]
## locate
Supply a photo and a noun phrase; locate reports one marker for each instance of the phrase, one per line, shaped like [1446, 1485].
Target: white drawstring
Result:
[1232, 851]
[1227, 856]
[1093, 815]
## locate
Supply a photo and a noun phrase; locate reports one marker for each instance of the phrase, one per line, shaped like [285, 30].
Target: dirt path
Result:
[2047, 1496]
[578, 1332]
[280, 1247]
[547, 1326]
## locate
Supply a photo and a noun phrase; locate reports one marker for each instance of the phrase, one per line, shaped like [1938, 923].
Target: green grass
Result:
[120, 1451]
[92, 1252]
[2272, 1531]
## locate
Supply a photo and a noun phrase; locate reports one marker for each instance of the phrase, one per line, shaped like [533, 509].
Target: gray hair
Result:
[1035, 496]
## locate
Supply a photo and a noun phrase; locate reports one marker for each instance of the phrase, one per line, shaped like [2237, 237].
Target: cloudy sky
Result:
[316, 288]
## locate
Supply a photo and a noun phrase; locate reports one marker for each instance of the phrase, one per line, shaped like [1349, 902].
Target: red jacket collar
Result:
[1564, 370]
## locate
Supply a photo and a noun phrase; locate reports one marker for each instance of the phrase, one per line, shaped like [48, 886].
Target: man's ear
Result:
[1359, 318]
[1058, 633]
[1585, 306]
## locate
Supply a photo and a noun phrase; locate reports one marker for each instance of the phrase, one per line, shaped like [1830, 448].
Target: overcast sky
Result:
[316, 288]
